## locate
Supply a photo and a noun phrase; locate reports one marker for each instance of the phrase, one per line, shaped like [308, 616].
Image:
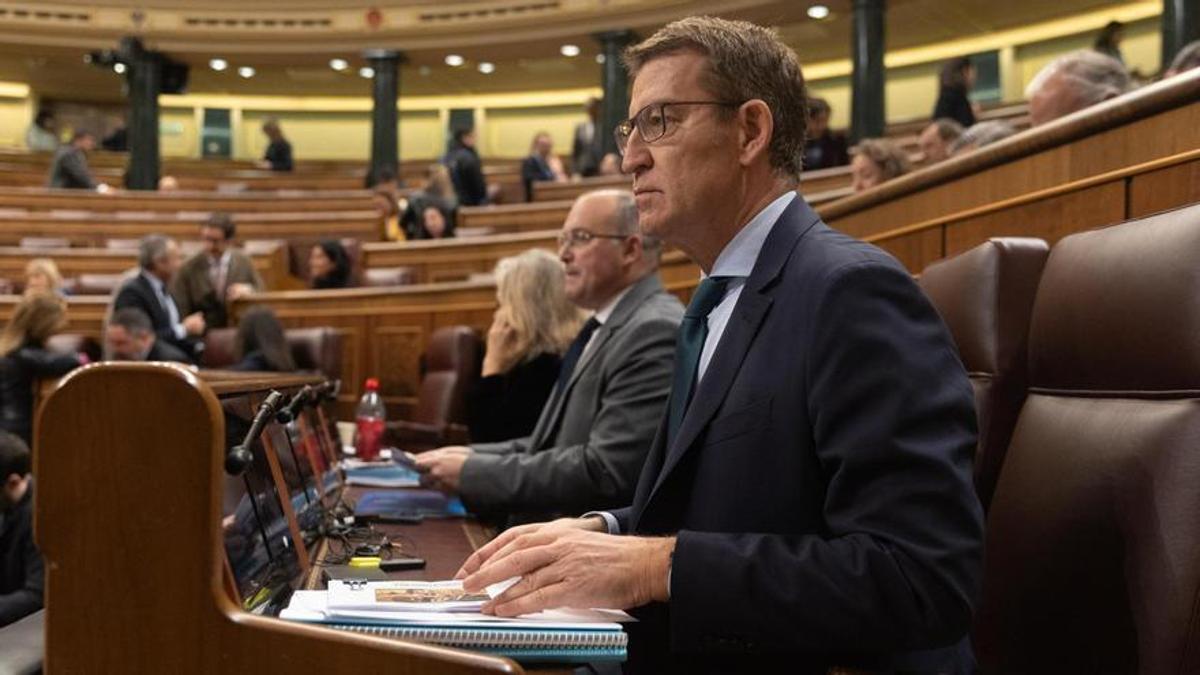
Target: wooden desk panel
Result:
[128, 516]
[84, 229]
[439, 260]
[133, 200]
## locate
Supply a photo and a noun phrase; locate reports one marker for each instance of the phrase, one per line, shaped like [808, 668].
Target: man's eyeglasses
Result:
[578, 237]
[652, 121]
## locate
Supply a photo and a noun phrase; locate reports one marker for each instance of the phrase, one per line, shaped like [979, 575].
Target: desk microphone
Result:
[326, 391]
[293, 408]
[238, 459]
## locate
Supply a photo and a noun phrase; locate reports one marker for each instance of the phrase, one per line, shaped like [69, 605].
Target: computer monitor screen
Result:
[258, 541]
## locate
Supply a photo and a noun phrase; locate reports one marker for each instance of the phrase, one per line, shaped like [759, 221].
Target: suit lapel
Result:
[752, 307]
[551, 416]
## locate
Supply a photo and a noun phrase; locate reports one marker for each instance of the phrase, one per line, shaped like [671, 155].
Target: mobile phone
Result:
[399, 564]
[404, 458]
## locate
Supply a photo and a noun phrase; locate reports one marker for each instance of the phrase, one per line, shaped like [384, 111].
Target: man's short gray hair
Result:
[152, 248]
[625, 219]
[984, 133]
[1095, 77]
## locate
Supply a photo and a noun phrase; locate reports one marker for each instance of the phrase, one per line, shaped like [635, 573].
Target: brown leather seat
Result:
[1093, 542]
[318, 349]
[220, 348]
[985, 296]
[45, 242]
[389, 276]
[451, 365]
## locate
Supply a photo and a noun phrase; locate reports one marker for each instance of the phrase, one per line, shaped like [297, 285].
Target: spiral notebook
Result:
[561, 636]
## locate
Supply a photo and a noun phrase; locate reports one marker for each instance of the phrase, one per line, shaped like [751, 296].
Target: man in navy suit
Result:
[807, 502]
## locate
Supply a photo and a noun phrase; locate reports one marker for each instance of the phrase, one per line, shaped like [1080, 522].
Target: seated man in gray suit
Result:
[589, 445]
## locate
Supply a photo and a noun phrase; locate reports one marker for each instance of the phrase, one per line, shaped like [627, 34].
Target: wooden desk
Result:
[128, 516]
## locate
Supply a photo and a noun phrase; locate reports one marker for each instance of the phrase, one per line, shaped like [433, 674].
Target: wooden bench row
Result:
[44, 199]
[271, 259]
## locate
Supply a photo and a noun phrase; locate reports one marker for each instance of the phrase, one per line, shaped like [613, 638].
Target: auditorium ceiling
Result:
[289, 43]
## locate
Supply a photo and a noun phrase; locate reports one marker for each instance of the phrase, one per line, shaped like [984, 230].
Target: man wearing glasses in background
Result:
[593, 434]
[808, 502]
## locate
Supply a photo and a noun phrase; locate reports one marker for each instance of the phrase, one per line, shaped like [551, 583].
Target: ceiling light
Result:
[454, 60]
[338, 64]
[600, 59]
[246, 71]
[218, 64]
[119, 68]
[367, 72]
[487, 68]
[818, 12]
[569, 50]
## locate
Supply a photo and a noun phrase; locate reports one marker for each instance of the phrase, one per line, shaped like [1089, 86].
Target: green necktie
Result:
[693, 330]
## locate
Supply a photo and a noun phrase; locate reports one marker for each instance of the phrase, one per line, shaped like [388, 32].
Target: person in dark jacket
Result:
[279, 152]
[69, 168]
[129, 336]
[532, 329]
[159, 261]
[329, 265]
[466, 170]
[261, 344]
[438, 193]
[24, 358]
[541, 165]
[957, 78]
[22, 578]
[824, 148]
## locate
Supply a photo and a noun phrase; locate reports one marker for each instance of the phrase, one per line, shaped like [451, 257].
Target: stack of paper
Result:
[440, 612]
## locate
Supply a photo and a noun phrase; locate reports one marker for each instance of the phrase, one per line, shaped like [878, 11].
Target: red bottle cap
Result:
[372, 384]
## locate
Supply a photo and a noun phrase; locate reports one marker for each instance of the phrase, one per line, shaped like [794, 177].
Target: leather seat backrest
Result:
[451, 367]
[985, 296]
[1093, 541]
[317, 349]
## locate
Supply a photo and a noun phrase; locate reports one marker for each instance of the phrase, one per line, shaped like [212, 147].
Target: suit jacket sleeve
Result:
[74, 165]
[27, 599]
[502, 447]
[893, 423]
[602, 472]
[246, 274]
[129, 296]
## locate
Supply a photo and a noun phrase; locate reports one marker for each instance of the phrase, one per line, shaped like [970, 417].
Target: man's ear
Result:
[756, 128]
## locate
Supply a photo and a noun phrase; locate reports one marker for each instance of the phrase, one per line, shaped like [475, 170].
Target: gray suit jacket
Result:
[591, 440]
[69, 169]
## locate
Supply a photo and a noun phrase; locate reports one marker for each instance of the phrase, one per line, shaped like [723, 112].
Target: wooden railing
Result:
[1160, 120]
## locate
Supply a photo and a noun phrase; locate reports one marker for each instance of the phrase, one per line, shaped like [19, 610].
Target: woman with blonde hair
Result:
[24, 358]
[42, 276]
[531, 331]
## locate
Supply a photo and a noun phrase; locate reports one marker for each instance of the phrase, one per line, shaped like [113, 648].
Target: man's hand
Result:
[440, 469]
[502, 542]
[193, 324]
[236, 291]
[569, 567]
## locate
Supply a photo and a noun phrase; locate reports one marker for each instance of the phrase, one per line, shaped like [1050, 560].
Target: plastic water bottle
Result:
[370, 422]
